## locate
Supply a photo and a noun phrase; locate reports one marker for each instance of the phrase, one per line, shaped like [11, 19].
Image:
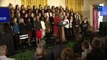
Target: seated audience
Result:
[104, 40]
[3, 52]
[96, 53]
[77, 47]
[106, 47]
[85, 47]
[39, 54]
[67, 54]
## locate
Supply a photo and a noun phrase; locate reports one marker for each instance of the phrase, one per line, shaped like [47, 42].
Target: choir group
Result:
[41, 23]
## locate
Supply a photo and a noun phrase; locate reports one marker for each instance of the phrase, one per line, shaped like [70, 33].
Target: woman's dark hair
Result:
[34, 7]
[85, 45]
[16, 7]
[22, 7]
[96, 43]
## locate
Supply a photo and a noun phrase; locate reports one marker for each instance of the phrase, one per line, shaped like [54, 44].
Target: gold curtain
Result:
[76, 5]
[34, 2]
[41, 2]
[28, 2]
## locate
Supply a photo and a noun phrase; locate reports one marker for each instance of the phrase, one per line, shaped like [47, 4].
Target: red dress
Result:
[38, 34]
[56, 28]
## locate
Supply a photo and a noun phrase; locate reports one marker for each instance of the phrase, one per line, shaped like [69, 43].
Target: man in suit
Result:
[3, 52]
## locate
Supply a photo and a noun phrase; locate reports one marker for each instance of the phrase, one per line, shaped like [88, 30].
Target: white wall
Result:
[56, 3]
[87, 11]
[5, 3]
[18, 2]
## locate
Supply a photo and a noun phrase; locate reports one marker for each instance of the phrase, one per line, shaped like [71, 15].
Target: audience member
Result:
[67, 54]
[77, 47]
[39, 54]
[97, 52]
[104, 41]
[3, 52]
[86, 50]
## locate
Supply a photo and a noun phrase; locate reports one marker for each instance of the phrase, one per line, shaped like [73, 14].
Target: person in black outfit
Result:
[71, 27]
[96, 53]
[28, 9]
[7, 38]
[29, 30]
[48, 29]
[22, 26]
[31, 18]
[26, 18]
[40, 16]
[22, 13]
[22, 7]
[40, 9]
[51, 19]
[34, 10]
[23, 31]
[32, 22]
[84, 27]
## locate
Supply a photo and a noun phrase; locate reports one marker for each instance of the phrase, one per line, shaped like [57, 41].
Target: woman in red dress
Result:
[57, 20]
[38, 30]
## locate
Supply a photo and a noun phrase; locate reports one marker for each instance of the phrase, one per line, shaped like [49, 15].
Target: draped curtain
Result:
[76, 5]
[34, 2]
[28, 2]
[41, 2]
[95, 19]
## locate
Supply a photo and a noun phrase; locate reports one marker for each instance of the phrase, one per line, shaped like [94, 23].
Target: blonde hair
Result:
[21, 20]
[3, 49]
[67, 54]
[40, 51]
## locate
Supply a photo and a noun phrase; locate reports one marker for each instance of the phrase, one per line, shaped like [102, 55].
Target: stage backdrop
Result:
[34, 2]
[56, 3]
[76, 5]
